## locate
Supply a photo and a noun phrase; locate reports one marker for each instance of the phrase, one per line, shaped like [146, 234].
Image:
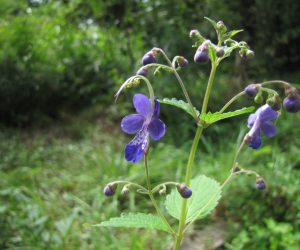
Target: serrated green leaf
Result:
[213, 23]
[205, 197]
[180, 104]
[210, 118]
[136, 220]
[230, 34]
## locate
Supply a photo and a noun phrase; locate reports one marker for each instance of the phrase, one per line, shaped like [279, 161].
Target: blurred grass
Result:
[52, 181]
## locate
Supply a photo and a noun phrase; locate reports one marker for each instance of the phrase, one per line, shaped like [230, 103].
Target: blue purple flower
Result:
[261, 120]
[144, 124]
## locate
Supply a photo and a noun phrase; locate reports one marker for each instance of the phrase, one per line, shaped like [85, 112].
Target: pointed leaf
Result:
[230, 34]
[180, 104]
[136, 220]
[205, 197]
[210, 118]
[213, 23]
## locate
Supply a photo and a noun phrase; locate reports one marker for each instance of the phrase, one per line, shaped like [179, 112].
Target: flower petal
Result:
[267, 113]
[252, 118]
[132, 123]
[156, 129]
[255, 142]
[156, 110]
[135, 149]
[269, 129]
[141, 104]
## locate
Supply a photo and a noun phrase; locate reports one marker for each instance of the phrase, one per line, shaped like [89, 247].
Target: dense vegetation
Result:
[60, 63]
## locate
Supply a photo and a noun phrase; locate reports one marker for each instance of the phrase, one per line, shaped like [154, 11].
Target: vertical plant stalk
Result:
[185, 93]
[152, 198]
[192, 157]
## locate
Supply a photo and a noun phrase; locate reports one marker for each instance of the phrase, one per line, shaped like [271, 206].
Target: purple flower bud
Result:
[292, 103]
[182, 62]
[184, 191]
[260, 183]
[201, 55]
[220, 51]
[148, 58]
[251, 90]
[110, 189]
[142, 72]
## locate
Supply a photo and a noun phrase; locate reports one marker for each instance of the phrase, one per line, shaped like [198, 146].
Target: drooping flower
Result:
[144, 124]
[261, 120]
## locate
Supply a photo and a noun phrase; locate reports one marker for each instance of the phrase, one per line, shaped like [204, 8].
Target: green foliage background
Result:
[60, 63]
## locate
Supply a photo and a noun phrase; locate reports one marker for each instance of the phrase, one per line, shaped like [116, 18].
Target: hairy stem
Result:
[237, 153]
[187, 97]
[232, 100]
[283, 83]
[192, 157]
[152, 197]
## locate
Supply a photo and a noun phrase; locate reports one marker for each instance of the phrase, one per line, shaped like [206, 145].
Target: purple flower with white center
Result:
[261, 120]
[145, 123]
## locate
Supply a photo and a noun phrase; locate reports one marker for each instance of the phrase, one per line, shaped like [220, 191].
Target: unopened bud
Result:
[292, 102]
[259, 98]
[260, 183]
[148, 58]
[220, 51]
[221, 27]
[194, 33]
[251, 90]
[110, 189]
[184, 191]
[274, 102]
[201, 55]
[182, 62]
[125, 190]
[142, 72]
[250, 54]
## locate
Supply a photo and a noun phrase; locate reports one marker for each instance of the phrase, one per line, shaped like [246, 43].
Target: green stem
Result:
[222, 186]
[192, 157]
[232, 100]
[131, 184]
[208, 88]
[152, 197]
[156, 188]
[181, 84]
[284, 83]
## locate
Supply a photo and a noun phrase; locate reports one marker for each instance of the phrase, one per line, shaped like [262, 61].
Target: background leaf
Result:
[180, 104]
[205, 197]
[136, 220]
[214, 117]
